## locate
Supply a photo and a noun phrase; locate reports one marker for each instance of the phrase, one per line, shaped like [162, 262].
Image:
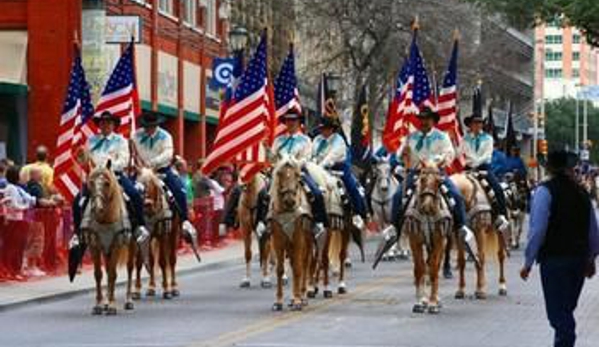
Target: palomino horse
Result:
[428, 222]
[291, 225]
[107, 232]
[384, 187]
[488, 240]
[164, 239]
[332, 246]
[247, 211]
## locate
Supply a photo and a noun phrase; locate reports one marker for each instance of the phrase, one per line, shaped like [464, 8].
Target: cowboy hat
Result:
[473, 118]
[561, 160]
[107, 115]
[291, 114]
[329, 122]
[151, 118]
[429, 113]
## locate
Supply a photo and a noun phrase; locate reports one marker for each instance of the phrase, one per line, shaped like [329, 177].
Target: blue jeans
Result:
[562, 279]
[397, 211]
[496, 186]
[319, 210]
[136, 201]
[357, 199]
[175, 185]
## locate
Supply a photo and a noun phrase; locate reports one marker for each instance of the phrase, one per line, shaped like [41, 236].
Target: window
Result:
[553, 56]
[575, 56]
[191, 11]
[553, 39]
[210, 19]
[166, 6]
[575, 73]
[141, 2]
[553, 73]
[576, 38]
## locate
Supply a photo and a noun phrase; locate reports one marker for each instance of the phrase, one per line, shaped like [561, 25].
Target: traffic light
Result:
[543, 149]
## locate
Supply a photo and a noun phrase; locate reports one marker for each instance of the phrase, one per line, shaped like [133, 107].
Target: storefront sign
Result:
[119, 29]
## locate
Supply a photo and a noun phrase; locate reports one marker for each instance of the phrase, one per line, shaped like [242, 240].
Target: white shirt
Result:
[434, 146]
[296, 145]
[477, 149]
[328, 151]
[17, 198]
[113, 147]
[156, 150]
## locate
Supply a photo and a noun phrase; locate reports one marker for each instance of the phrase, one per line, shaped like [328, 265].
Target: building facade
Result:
[177, 41]
[565, 62]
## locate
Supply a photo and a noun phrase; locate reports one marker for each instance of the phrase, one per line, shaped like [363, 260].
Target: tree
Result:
[561, 121]
[583, 14]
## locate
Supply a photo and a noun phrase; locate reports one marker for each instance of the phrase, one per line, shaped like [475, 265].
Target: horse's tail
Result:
[335, 241]
[492, 244]
[123, 256]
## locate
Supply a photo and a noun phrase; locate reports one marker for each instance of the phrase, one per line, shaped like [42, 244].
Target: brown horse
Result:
[428, 222]
[105, 229]
[489, 241]
[247, 211]
[164, 240]
[291, 224]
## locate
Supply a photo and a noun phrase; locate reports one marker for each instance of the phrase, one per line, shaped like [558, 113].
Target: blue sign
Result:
[222, 72]
[589, 93]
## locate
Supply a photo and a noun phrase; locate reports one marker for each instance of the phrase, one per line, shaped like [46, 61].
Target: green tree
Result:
[561, 122]
[583, 14]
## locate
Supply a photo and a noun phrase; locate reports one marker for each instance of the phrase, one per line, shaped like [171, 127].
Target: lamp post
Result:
[238, 39]
[334, 82]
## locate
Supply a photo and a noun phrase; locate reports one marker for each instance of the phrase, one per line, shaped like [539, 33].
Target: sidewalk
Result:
[15, 294]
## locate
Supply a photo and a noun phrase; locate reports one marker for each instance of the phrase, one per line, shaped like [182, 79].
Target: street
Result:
[213, 311]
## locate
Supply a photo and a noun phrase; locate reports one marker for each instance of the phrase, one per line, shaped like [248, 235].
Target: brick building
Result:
[178, 41]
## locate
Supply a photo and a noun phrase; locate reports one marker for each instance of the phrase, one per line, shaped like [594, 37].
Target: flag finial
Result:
[415, 23]
[456, 35]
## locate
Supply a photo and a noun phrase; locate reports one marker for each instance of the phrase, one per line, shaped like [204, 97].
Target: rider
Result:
[155, 149]
[110, 146]
[330, 152]
[477, 148]
[431, 145]
[295, 143]
[515, 163]
[498, 161]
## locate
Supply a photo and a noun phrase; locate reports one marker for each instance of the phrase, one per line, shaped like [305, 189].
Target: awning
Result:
[13, 50]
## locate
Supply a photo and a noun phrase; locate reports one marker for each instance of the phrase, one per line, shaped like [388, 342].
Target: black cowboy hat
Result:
[329, 122]
[151, 118]
[292, 114]
[107, 115]
[473, 118]
[560, 160]
[429, 113]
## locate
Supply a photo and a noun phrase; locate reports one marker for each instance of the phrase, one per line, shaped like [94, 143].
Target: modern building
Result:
[564, 62]
[177, 41]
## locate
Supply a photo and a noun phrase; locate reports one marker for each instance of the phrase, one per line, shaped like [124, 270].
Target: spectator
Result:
[515, 163]
[183, 171]
[564, 240]
[201, 183]
[47, 172]
[3, 167]
[34, 185]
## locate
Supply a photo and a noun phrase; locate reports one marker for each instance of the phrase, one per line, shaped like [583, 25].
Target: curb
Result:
[54, 297]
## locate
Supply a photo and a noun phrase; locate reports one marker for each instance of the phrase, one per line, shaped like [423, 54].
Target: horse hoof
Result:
[129, 306]
[244, 284]
[447, 274]
[266, 284]
[97, 310]
[418, 308]
[311, 294]
[434, 309]
[502, 292]
[348, 264]
[277, 307]
[459, 295]
[135, 296]
[296, 307]
[151, 292]
[285, 281]
[480, 296]
[111, 311]
[175, 293]
[305, 302]
[342, 290]
[327, 294]
[167, 295]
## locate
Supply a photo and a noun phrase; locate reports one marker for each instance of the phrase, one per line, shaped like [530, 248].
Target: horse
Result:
[381, 199]
[164, 238]
[331, 248]
[488, 240]
[291, 224]
[247, 212]
[427, 223]
[517, 196]
[107, 231]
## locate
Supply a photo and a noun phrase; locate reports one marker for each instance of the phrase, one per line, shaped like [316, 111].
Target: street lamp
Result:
[334, 82]
[238, 38]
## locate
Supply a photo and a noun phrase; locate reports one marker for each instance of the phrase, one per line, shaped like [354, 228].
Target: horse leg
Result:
[434, 264]
[297, 267]
[279, 246]
[313, 271]
[307, 266]
[172, 263]
[155, 254]
[136, 295]
[461, 293]
[325, 263]
[164, 260]
[264, 260]
[480, 292]
[447, 273]
[345, 235]
[130, 267]
[247, 242]
[97, 260]
[112, 262]
[419, 269]
[501, 260]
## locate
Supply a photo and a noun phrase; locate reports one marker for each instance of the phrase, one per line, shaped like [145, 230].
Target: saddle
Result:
[105, 234]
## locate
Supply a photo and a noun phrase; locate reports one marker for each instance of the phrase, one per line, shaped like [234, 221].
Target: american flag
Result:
[245, 123]
[413, 92]
[448, 110]
[286, 92]
[73, 131]
[120, 95]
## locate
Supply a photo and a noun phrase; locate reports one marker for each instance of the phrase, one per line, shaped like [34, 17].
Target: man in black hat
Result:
[477, 148]
[156, 150]
[564, 240]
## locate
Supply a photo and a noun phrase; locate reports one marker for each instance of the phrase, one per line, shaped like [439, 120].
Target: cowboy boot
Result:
[142, 238]
[469, 240]
[190, 235]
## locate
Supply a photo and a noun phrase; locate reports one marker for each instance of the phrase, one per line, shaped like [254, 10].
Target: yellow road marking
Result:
[272, 323]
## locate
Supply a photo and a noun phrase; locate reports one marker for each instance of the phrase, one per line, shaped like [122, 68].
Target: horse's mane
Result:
[274, 187]
[114, 213]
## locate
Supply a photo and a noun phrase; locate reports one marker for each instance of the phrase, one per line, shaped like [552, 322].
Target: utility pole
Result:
[577, 127]
[585, 124]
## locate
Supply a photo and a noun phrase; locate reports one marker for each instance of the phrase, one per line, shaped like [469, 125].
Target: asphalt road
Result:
[214, 311]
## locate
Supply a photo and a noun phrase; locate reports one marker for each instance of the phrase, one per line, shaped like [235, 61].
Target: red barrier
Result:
[206, 222]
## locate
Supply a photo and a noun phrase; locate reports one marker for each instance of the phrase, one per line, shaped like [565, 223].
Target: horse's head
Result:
[153, 192]
[428, 185]
[104, 193]
[287, 184]
[383, 175]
